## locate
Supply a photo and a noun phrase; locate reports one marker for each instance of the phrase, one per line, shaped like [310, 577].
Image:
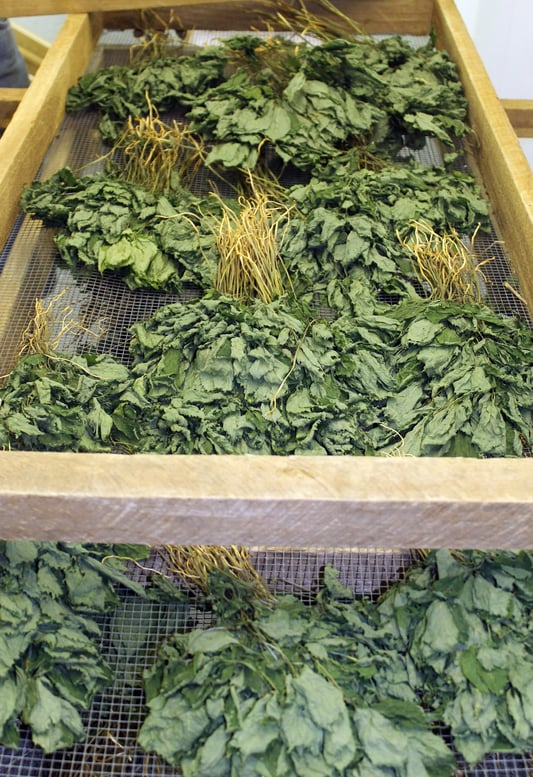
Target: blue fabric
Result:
[13, 72]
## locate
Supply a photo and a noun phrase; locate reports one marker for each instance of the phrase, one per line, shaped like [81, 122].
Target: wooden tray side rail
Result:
[503, 168]
[520, 114]
[31, 128]
[10, 99]
[40, 111]
[408, 16]
[291, 501]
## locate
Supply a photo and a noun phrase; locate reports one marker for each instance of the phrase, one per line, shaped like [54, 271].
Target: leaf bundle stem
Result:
[445, 264]
[155, 154]
[248, 241]
[195, 563]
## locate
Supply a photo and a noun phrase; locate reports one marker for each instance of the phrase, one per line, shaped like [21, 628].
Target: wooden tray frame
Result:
[292, 501]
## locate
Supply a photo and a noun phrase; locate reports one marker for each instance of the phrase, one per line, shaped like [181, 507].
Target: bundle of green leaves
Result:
[219, 376]
[153, 241]
[51, 665]
[344, 225]
[308, 102]
[61, 403]
[465, 621]
[464, 381]
[347, 222]
[333, 686]
[340, 94]
[289, 690]
[120, 91]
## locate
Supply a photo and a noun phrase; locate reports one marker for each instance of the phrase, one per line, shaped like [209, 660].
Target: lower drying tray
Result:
[130, 639]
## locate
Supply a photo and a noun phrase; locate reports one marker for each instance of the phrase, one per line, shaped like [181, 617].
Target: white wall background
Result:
[45, 27]
[503, 33]
[501, 29]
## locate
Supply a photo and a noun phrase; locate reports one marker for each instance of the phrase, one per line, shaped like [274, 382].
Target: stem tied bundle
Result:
[159, 156]
[445, 264]
[195, 564]
[249, 241]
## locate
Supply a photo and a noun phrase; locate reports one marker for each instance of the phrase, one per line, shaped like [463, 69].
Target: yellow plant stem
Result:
[444, 263]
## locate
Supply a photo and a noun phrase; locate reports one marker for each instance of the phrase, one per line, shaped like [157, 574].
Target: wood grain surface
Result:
[297, 501]
[9, 102]
[374, 15]
[520, 114]
[497, 155]
[42, 107]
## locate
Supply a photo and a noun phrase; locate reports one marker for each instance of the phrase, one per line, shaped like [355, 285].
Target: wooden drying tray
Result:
[261, 500]
[31, 46]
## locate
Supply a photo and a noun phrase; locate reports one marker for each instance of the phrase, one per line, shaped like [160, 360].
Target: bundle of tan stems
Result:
[195, 564]
[157, 155]
[330, 25]
[51, 322]
[249, 241]
[445, 264]
[154, 36]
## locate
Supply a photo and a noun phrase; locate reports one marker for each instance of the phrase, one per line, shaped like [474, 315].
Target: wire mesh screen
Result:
[133, 633]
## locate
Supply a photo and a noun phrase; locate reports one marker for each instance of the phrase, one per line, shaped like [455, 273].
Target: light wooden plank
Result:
[375, 15]
[40, 111]
[504, 169]
[257, 500]
[520, 114]
[294, 501]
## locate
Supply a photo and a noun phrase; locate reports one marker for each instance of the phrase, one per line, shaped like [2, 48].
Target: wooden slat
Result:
[9, 102]
[40, 112]
[520, 114]
[258, 500]
[503, 167]
[375, 15]
[26, 138]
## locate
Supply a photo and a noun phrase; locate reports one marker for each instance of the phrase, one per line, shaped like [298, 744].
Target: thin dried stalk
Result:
[155, 40]
[195, 563]
[156, 155]
[444, 264]
[368, 160]
[397, 450]
[245, 183]
[263, 180]
[249, 242]
[50, 324]
[511, 288]
[299, 19]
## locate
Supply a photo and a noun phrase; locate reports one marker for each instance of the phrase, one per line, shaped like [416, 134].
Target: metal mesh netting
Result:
[130, 639]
